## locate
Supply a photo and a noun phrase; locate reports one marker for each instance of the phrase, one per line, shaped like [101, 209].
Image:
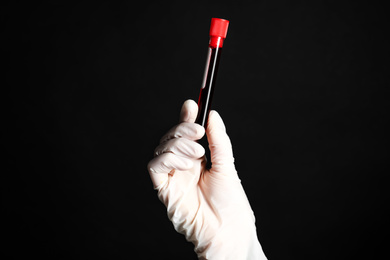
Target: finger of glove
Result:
[181, 147]
[189, 111]
[161, 166]
[186, 130]
[219, 142]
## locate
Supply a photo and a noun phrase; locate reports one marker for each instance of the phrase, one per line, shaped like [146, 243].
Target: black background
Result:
[91, 87]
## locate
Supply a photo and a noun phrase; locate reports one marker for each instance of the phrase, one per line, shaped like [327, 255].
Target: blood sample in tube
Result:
[218, 31]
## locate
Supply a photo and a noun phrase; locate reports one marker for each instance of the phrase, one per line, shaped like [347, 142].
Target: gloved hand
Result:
[208, 206]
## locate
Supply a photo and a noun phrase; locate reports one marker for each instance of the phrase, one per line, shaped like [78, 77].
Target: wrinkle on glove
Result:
[208, 206]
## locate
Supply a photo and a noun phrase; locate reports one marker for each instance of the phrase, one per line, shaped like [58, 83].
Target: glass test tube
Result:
[218, 31]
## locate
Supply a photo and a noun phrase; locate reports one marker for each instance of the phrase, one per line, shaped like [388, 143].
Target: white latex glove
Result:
[208, 206]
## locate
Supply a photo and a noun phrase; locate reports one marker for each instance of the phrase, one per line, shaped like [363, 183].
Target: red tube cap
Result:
[219, 27]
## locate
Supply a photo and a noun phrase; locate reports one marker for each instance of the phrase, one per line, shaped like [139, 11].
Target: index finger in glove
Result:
[189, 111]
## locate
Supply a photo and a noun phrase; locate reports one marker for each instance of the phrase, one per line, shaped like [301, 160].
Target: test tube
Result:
[218, 31]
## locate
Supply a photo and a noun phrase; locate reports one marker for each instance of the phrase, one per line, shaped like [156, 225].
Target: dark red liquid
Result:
[207, 90]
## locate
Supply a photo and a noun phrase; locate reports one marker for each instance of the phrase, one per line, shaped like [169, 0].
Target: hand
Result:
[208, 206]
